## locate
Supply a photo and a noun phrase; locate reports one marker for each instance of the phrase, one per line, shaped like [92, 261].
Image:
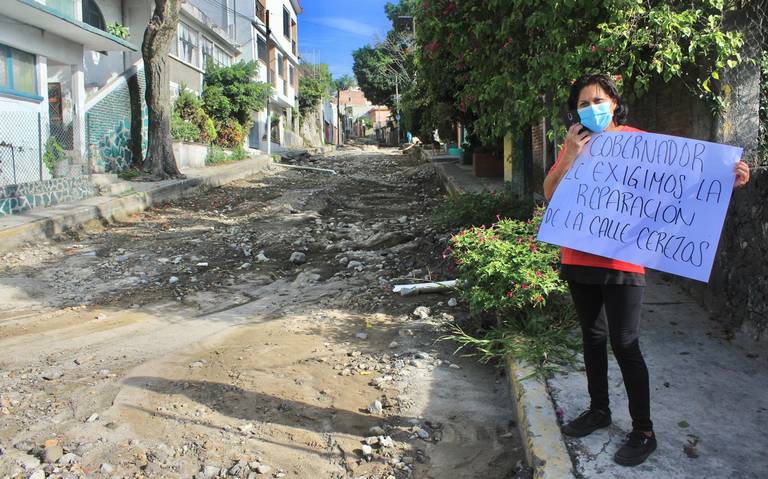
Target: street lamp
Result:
[413, 22]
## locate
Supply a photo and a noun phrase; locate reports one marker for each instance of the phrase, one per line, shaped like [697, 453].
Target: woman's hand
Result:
[574, 141]
[742, 174]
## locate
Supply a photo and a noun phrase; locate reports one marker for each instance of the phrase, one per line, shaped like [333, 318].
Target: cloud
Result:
[347, 25]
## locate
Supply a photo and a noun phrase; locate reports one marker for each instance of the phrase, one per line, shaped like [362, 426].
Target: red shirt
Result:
[571, 256]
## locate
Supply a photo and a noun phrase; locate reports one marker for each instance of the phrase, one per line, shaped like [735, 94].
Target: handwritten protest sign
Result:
[649, 199]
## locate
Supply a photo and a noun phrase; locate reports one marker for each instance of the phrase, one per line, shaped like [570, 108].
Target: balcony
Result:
[261, 12]
[57, 16]
[65, 7]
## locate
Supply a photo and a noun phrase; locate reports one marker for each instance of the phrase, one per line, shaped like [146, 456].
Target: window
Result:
[92, 15]
[206, 48]
[286, 23]
[290, 75]
[17, 71]
[280, 66]
[187, 44]
[261, 11]
[261, 46]
[222, 58]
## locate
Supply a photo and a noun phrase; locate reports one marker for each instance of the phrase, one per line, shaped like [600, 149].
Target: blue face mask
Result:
[596, 118]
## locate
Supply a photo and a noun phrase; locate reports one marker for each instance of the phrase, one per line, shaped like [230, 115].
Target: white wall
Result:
[276, 23]
[100, 67]
[33, 40]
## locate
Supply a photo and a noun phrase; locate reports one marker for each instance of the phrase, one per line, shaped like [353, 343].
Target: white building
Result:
[276, 53]
[49, 55]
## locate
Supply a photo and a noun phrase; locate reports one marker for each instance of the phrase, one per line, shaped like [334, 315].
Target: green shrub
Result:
[230, 92]
[504, 271]
[229, 133]
[190, 109]
[239, 154]
[475, 209]
[118, 30]
[184, 130]
[53, 155]
[216, 155]
[208, 132]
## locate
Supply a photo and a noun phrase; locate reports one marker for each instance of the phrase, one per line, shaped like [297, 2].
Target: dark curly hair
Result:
[605, 82]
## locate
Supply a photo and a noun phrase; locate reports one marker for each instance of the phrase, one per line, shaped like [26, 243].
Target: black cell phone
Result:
[570, 118]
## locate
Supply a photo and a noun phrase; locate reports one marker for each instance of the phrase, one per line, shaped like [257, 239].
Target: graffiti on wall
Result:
[114, 148]
[16, 199]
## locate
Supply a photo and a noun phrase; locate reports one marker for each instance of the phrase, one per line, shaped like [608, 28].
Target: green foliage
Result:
[230, 134]
[314, 84]
[494, 60]
[372, 70]
[504, 271]
[188, 111]
[477, 209]
[344, 82]
[53, 155]
[184, 130]
[400, 9]
[130, 174]
[215, 155]
[118, 30]
[230, 92]
[239, 154]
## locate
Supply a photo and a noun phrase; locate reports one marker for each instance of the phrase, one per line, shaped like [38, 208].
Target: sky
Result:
[329, 30]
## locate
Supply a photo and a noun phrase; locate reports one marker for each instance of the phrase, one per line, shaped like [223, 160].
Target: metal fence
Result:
[21, 147]
[31, 149]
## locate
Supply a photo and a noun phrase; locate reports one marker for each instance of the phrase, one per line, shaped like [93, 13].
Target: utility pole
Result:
[338, 116]
[269, 119]
[397, 105]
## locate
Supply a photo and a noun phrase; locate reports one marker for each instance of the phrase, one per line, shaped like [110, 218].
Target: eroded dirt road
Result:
[184, 342]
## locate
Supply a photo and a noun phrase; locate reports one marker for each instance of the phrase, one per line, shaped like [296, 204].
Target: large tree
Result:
[314, 84]
[154, 49]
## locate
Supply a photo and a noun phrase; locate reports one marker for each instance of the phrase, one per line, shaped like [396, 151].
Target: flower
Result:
[524, 286]
[539, 299]
[510, 294]
[533, 247]
[538, 274]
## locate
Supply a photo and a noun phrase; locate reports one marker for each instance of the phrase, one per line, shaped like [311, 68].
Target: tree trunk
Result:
[137, 125]
[154, 49]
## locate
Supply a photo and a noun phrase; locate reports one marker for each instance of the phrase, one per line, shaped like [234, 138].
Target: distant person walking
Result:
[607, 293]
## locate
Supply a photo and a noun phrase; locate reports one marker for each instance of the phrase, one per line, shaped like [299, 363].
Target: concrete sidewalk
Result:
[709, 396]
[44, 223]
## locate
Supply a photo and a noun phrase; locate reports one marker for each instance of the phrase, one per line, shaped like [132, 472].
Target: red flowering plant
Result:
[503, 270]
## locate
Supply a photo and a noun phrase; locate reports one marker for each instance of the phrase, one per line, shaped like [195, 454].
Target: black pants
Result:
[614, 311]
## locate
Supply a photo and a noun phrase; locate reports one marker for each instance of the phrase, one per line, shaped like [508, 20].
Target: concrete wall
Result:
[737, 293]
[189, 155]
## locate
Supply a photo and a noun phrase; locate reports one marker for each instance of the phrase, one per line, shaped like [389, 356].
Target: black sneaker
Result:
[587, 423]
[636, 449]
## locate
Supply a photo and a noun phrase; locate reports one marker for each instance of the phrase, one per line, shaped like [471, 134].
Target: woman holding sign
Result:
[602, 284]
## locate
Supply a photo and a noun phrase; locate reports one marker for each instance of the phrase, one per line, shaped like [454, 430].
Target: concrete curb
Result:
[537, 424]
[543, 442]
[449, 182]
[37, 225]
